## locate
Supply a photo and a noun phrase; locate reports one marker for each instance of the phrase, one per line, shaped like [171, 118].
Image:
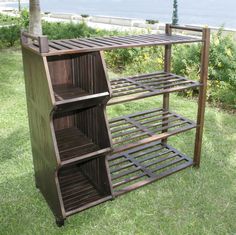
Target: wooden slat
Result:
[82, 45]
[163, 161]
[142, 86]
[140, 126]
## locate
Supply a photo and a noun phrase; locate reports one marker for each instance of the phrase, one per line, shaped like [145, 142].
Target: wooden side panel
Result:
[95, 170]
[60, 69]
[92, 122]
[40, 105]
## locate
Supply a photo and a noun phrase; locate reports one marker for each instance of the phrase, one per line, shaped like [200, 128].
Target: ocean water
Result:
[199, 12]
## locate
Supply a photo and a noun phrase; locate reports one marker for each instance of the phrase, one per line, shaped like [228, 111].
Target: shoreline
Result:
[105, 22]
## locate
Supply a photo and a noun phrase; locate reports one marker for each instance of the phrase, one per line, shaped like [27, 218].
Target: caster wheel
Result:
[60, 222]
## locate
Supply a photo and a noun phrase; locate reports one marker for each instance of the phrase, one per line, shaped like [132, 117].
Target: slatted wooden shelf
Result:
[78, 134]
[144, 127]
[68, 93]
[68, 89]
[74, 145]
[69, 97]
[141, 86]
[142, 165]
[78, 191]
[82, 45]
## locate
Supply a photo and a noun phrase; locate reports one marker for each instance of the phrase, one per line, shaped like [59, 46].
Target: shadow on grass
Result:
[15, 145]
[24, 210]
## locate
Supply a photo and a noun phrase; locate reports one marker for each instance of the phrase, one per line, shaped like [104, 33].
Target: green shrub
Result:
[152, 21]
[222, 61]
[61, 30]
[9, 35]
[222, 66]
[67, 30]
[135, 60]
[24, 17]
[10, 32]
[8, 20]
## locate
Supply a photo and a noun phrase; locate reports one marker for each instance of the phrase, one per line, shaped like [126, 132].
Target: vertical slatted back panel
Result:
[65, 120]
[95, 170]
[93, 124]
[60, 68]
[89, 73]
[82, 70]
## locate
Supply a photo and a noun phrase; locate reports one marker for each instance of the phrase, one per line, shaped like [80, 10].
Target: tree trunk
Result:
[19, 6]
[35, 26]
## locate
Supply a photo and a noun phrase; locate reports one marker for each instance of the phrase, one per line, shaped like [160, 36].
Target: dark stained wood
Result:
[78, 134]
[43, 45]
[141, 128]
[78, 78]
[141, 86]
[84, 183]
[80, 158]
[75, 46]
[202, 95]
[167, 69]
[138, 168]
[40, 104]
[188, 28]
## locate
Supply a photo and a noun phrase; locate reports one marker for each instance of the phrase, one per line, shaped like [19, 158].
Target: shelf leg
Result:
[36, 182]
[202, 96]
[60, 222]
[167, 69]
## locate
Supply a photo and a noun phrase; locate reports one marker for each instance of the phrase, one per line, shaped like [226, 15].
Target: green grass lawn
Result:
[191, 202]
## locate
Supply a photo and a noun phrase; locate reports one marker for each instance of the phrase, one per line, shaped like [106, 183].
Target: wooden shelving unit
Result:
[80, 157]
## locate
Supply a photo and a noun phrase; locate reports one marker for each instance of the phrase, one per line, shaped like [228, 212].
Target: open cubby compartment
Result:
[81, 133]
[84, 184]
[78, 77]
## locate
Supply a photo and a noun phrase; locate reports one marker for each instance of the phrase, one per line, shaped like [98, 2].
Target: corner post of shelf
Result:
[167, 69]
[23, 38]
[202, 95]
[43, 44]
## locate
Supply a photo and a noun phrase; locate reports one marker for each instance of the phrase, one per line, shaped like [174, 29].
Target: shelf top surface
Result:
[147, 85]
[83, 45]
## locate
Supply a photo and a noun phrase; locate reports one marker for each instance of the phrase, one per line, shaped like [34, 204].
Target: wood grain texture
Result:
[134, 168]
[167, 69]
[79, 133]
[68, 89]
[79, 78]
[82, 45]
[44, 150]
[147, 85]
[202, 95]
[84, 183]
[141, 128]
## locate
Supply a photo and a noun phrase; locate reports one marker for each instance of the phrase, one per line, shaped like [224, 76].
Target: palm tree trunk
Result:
[35, 26]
